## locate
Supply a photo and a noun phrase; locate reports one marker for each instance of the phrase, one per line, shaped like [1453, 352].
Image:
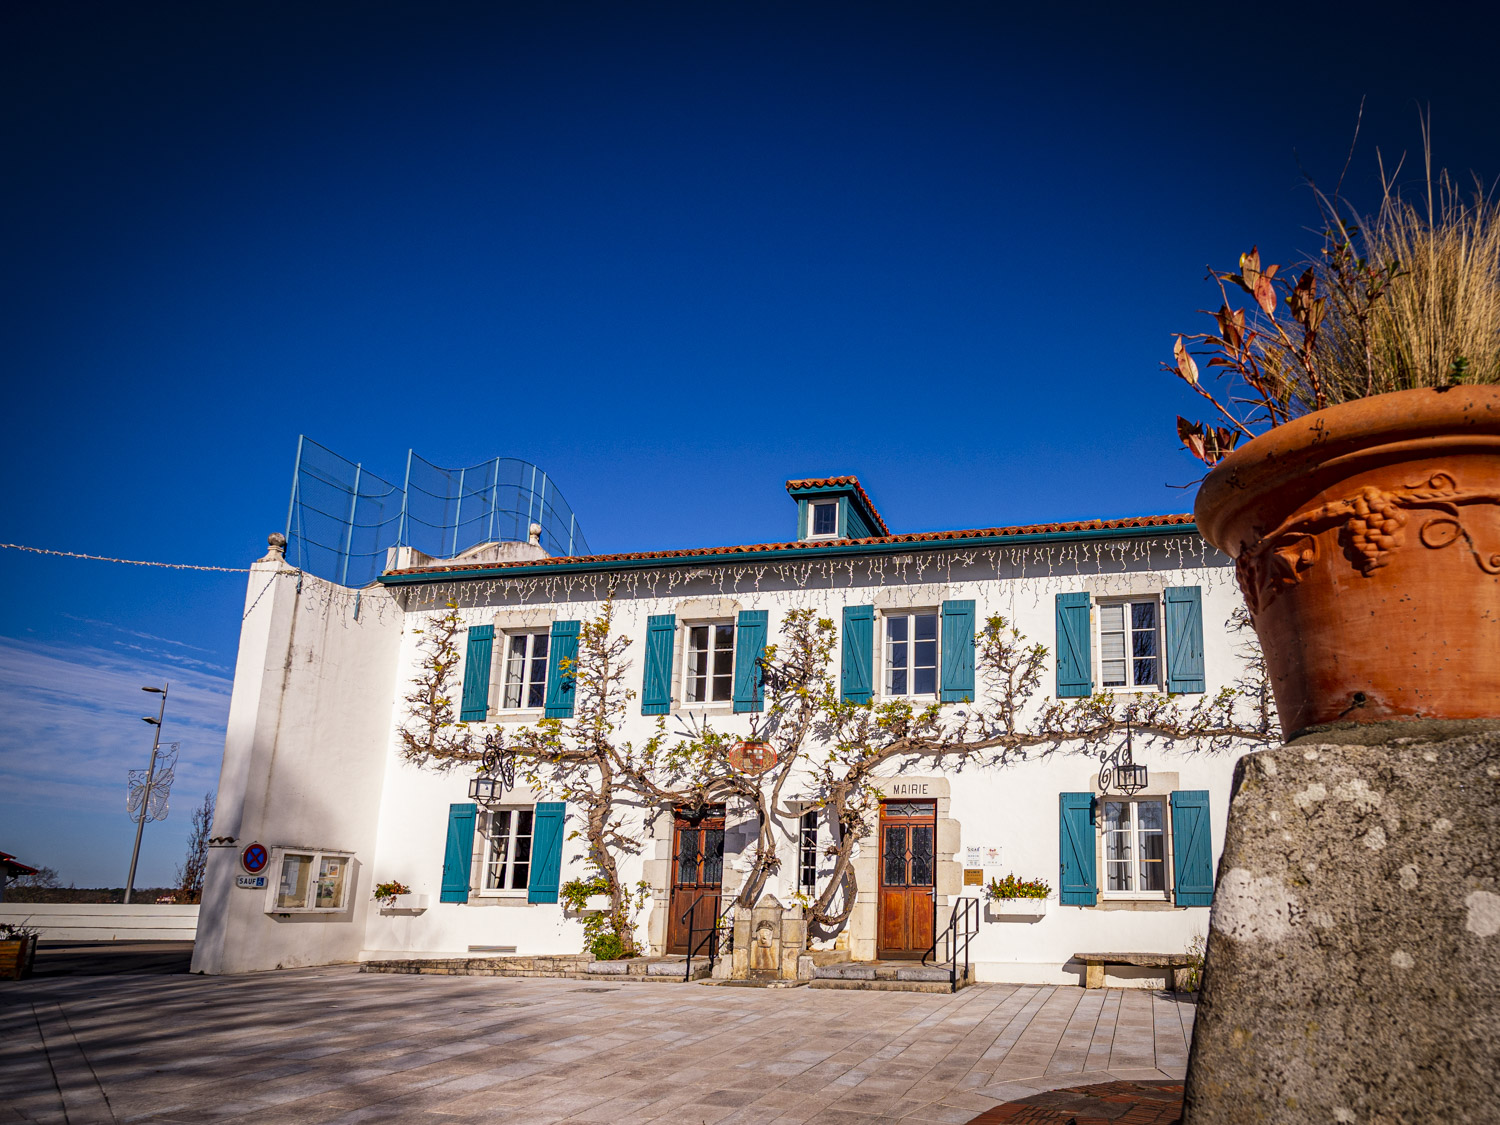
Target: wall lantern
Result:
[497, 774]
[1119, 769]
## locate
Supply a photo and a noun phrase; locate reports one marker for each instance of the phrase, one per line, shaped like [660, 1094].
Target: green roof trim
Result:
[732, 557]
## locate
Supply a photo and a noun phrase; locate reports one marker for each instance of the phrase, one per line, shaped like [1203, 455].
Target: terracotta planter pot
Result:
[1366, 539]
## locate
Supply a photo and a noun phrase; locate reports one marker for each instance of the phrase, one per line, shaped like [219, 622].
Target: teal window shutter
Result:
[958, 652]
[459, 854]
[857, 677]
[1185, 638]
[749, 648]
[1192, 849]
[1075, 676]
[656, 691]
[564, 646]
[476, 702]
[546, 852]
[1076, 881]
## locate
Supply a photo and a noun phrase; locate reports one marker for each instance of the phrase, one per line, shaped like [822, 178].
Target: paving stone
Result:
[310, 1047]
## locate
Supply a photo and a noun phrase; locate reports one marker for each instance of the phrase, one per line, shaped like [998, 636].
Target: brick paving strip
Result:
[1106, 1103]
[332, 1046]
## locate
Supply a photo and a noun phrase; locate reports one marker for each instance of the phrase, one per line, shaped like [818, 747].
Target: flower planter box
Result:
[404, 902]
[596, 904]
[1016, 907]
[16, 956]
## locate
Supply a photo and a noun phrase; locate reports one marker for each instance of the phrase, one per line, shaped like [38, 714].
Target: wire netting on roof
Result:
[343, 518]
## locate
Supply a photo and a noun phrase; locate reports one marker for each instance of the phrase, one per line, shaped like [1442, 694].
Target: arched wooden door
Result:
[908, 851]
[697, 875]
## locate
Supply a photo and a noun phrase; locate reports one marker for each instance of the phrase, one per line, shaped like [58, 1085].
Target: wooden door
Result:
[697, 872]
[908, 848]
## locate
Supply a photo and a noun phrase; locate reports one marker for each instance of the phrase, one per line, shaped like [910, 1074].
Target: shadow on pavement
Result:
[110, 958]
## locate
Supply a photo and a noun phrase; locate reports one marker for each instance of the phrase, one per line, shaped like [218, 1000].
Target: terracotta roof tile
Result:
[844, 482]
[1180, 520]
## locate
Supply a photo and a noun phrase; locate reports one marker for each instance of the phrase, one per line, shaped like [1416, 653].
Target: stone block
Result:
[1352, 945]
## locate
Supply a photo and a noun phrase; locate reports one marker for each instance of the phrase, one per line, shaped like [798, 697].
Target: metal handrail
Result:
[711, 938]
[963, 909]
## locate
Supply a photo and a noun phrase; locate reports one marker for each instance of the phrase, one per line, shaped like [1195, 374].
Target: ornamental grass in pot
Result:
[1363, 511]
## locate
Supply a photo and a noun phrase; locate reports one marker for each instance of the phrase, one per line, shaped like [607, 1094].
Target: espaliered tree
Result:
[836, 748]
[582, 759]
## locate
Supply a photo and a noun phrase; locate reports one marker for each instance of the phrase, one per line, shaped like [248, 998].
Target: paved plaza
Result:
[328, 1045]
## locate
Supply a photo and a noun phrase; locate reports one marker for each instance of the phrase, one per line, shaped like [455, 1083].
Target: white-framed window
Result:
[1135, 847]
[708, 666]
[525, 675]
[1130, 643]
[807, 865]
[823, 519]
[910, 653]
[307, 881]
[505, 854]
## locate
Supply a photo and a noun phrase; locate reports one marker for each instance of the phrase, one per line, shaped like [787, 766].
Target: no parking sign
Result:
[254, 858]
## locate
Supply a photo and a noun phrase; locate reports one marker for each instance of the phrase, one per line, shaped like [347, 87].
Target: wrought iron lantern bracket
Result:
[1118, 768]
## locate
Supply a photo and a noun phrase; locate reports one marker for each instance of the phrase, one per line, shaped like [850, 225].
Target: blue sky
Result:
[674, 254]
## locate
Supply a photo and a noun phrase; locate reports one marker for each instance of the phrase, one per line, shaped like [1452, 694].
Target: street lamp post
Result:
[140, 825]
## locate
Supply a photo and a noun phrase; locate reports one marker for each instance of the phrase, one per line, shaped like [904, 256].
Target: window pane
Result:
[895, 856]
[499, 850]
[713, 855]
[723, 686]
[924, 681]
[697, 664]
[295, 873]
[1112, 616]
[1150, 822]
[925, 626]
[1145, 672]
[808, 874]
[536, 692]
[1117, 851]
[522, 865]
[515, 670]
[687, 856]
[1114, 673]
[1112, 646]
[921, 855]
[331, 881]
[896, 628]
[825, 519]
[1142, 616]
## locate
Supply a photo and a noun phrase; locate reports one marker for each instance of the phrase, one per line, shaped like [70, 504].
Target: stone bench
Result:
[1179, 966]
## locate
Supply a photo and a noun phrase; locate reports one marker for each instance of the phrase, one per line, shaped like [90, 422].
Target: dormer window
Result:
[835, 508]
[825, 519]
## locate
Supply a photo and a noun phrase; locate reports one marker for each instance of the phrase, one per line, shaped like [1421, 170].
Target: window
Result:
[807, 868]
[1129, 644]
[308, 881]
[1135, 847]
[525, 670]
[911, 654]
[507, 850]
[708, 672]
[825, 519]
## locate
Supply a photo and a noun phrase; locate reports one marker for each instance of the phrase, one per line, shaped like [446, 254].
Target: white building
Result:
[312, 775]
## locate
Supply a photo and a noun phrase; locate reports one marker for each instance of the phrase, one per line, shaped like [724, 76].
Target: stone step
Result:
[887, 976]
[885, 985]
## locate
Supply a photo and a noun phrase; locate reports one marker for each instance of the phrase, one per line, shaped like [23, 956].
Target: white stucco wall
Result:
[305, 756]
[313, 750]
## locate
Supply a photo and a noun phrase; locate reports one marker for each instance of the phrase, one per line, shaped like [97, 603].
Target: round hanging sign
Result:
[752, 757]
[254, 858]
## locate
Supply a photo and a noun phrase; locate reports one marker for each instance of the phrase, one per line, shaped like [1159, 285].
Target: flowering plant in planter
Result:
[1000, 890]
[1369, 388]
[386, 892]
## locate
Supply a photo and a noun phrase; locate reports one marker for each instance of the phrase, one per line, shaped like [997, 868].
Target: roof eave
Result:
[831, 550]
